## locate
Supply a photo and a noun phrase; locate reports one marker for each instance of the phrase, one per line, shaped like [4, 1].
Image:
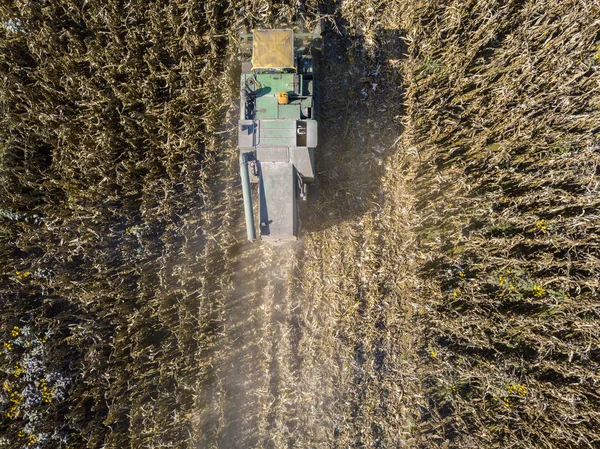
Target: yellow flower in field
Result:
[13, 412]
[433, 354]
[455, 293]
[47, 393]
[541, 225]
[501, 280]
[461, 274]
[538, 291]
[23, 275]
[16, 398]
[518, 389]
[8, 346]
[18, 370]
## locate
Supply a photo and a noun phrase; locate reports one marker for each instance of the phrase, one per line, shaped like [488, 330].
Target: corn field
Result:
[444, 293]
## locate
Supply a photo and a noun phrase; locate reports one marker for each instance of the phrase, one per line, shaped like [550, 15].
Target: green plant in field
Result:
[503, 228]
[429, 66]
[9, 214]
[561, 146]
[132, 230]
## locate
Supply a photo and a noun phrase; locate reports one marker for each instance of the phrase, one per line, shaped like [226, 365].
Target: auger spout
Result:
[247, 194]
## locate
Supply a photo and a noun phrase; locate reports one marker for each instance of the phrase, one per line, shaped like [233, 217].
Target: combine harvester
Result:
[277, 132]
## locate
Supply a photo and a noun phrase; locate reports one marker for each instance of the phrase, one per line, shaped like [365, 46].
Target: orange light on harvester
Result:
[283, 98]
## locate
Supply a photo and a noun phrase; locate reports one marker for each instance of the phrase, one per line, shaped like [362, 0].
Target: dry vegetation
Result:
[503, 113]
[445, 294]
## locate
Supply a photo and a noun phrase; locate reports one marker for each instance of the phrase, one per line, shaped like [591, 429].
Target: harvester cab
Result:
[277, 128]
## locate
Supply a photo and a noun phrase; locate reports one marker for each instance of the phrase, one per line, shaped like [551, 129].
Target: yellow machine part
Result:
[273, 49]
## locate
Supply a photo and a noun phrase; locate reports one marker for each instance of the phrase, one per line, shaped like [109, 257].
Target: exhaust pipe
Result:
[247, 194]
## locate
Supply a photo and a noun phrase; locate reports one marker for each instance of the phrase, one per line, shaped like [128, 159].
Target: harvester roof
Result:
[273, 49]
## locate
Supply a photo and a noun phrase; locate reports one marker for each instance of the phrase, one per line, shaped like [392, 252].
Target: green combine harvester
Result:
[277, 132]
